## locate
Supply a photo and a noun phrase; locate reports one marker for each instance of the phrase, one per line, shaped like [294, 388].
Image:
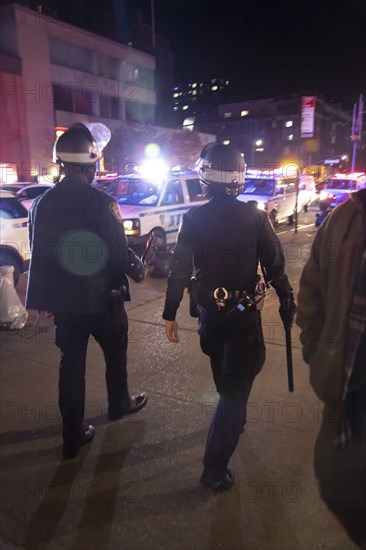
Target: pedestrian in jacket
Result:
[332, 318]
[80, 259]
[223, 240]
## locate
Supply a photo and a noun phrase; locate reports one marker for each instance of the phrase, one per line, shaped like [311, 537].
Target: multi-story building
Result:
[269, 131]
[53, 74]
[199, 97]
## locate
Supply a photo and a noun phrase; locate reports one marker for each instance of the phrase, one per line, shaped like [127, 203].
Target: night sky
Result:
[290, 45]
[268, 47]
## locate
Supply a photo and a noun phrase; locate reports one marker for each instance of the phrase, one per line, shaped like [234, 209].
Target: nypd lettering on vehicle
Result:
[172, 198]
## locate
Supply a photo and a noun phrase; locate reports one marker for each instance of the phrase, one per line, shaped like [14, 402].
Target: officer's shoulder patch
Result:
[115, 211]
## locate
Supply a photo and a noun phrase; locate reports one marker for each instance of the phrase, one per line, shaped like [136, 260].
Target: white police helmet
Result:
[221, 169]
[81, 143]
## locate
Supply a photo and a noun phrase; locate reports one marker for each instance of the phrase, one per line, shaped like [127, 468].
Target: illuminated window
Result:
[194, 85]
[188, 123]
[175, 95]
[288, 123]
[227, 83]
[226, 142]
[194, 92]
[290, 137]
[175, 108]
[214, 88]
[244, 113]
[185, 107]
[228, 114]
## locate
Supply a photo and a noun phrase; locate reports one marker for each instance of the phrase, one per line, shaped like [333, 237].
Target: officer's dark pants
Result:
[72, 335]
[237, 353]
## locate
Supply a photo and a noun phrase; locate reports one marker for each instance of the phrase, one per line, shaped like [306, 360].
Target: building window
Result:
[226, 142]
[62, 98]
[288, 123]
[188, 123]
[290, 137]
[68, 55]
[175, 95]
[244, 112]
[108, 67]
[82, 102]
[140, 112]
[214, 88]
[228, 114]
[141, 76]
[73, 100]
[185, 107]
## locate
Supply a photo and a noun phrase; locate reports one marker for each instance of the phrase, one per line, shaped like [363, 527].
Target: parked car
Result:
[14, 238]
[26, 192]
[153, 204]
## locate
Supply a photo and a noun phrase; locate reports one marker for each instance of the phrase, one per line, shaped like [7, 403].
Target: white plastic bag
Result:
[13, 314]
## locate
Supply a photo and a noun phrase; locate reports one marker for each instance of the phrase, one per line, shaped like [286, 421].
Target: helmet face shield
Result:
[101, 134]
[81, 144]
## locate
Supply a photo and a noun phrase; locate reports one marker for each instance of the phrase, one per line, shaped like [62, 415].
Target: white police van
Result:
[156, 204]
[275, 194]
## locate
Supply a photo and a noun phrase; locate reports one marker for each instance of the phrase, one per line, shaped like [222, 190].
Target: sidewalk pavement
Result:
[137, 485]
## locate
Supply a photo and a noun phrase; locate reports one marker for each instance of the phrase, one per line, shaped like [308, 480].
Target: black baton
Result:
[149, 244]
[290, 374]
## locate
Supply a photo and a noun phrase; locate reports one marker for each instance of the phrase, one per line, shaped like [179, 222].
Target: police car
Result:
[276, 195]
[153, 203]
[14, 241]
[338, 188]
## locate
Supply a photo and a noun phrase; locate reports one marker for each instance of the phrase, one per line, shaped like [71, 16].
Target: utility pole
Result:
[356, 129]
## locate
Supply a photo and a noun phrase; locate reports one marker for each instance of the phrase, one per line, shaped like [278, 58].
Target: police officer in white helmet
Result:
[80, 259]
[224, 240]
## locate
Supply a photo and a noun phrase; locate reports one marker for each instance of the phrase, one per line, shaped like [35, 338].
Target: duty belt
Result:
[221, 296]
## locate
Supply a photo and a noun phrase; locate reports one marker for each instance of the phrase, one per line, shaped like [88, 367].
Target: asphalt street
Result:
[137, 485]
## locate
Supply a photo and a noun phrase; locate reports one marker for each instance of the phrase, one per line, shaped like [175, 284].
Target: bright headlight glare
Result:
[261, 205]
[128, 225]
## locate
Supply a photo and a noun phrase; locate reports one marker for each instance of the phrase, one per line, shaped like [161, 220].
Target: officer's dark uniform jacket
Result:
[224, 240]
[79, 250]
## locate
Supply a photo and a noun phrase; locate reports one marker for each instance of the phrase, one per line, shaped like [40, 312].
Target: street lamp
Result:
[257, 143]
